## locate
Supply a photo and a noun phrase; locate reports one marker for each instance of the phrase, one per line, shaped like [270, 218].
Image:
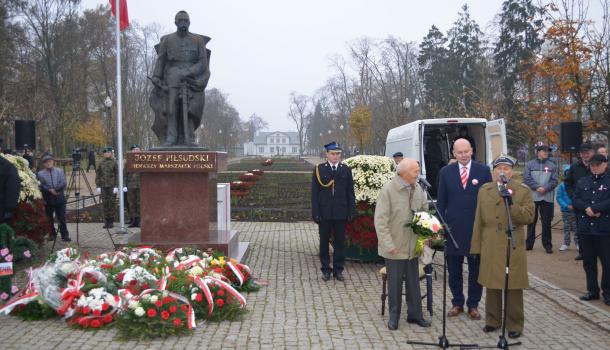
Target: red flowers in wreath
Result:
[361, 231]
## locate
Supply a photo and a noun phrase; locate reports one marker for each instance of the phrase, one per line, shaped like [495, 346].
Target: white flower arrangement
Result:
[29, 184]
[370, 174]
[96, 298]
[138, 274]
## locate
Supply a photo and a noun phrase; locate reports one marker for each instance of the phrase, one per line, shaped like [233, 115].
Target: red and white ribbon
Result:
[208, 294]
[240, 298]
[240, 276]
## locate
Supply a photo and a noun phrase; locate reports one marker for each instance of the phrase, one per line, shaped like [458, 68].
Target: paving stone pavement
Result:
[298, 310]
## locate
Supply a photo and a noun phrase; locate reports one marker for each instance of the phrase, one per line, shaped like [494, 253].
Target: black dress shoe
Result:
[392, 326]
[421, 322]
[514, 334]
[489, 328]
[578, 257]
[339, 277]
[607, 302]
[325, 276]
[549, 250]
[589, 296]
[529, 248]
[66, 239]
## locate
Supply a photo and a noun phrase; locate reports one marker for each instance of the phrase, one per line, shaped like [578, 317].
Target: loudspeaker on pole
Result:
[25, 134]
[571, 136]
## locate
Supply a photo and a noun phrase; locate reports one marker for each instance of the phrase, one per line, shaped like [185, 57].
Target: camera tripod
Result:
[75, 183]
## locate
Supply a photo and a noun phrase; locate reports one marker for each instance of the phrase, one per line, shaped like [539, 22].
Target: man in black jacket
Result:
[10, 186]
[333, 203]
[592, 204]
[577, 171]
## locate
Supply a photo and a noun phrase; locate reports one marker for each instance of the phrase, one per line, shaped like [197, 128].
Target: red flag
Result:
[123, 11]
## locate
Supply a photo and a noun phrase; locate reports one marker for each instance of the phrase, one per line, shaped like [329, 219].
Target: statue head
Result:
[182, 21]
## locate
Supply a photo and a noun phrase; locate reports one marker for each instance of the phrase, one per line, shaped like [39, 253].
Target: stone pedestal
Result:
[178, 204]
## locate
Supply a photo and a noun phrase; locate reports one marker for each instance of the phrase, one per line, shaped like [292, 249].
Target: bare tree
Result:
[299, 114]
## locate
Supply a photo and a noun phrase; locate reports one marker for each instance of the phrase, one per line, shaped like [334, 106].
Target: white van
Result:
[430, 142]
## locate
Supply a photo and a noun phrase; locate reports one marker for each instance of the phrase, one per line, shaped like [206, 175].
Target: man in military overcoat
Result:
[132, 181]
[489, 239]
[106, 182]
[333, 203]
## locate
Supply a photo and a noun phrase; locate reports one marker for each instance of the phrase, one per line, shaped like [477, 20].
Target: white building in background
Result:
[275, 143]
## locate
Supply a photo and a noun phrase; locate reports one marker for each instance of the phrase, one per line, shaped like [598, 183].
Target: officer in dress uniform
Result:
[592, 204]
[106, 182]
[333, 204]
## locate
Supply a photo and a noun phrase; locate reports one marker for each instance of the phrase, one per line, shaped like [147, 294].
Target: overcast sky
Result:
[264, 49]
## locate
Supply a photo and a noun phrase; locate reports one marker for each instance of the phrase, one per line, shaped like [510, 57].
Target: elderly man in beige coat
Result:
[395, 205]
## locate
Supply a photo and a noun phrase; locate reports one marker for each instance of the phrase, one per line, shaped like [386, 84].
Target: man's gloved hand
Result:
[7, 217]
[317, 219]
[115, 190]
[124, 189]
[98, 190]
[505, 193]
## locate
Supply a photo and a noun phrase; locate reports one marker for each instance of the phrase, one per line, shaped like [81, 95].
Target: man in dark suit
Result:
[458, 188]
[10, 187]
[333, 203]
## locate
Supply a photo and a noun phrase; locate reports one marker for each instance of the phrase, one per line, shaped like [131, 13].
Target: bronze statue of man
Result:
[180, 76]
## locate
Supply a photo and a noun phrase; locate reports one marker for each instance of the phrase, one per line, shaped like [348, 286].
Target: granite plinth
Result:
[178, 200]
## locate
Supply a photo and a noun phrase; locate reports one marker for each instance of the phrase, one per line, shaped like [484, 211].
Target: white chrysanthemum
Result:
[370, 174]
[134, 304]
[154, 299]
[139, 312]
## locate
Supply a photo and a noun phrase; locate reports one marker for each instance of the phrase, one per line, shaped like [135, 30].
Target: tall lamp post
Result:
[108, 105]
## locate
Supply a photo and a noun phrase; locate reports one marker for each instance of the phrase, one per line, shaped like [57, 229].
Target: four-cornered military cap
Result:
[504, 159]
[107, 149]
[397, 154]
[598, 159]
[134, 146]
[332, 147]
[46, 157]
[585, 146]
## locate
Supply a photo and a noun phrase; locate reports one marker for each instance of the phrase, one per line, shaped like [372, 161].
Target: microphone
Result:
[503, 178]
[422, 181]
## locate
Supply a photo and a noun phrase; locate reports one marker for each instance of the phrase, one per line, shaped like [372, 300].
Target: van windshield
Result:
[438, 147]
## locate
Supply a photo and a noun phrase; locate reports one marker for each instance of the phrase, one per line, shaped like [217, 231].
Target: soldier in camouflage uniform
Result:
[106, 182]
[132, 181]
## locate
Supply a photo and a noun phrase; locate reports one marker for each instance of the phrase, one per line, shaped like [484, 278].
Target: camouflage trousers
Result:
[108, 202]
[133, 202]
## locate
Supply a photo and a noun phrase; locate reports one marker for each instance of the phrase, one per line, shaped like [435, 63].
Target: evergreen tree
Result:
[465, 56]
[519, 41]
[433, 57]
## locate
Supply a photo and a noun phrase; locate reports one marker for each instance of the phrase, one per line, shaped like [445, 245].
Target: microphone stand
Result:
[443, 342]
[503, 343]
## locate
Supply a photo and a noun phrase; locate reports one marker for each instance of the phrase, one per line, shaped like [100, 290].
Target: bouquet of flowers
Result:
[95, 309]
[428, 229]
[154, 314]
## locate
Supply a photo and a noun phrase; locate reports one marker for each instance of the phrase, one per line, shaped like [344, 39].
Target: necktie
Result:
[334, 169]
[464, 176]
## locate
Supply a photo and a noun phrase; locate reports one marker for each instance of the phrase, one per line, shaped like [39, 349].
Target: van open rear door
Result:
[495, 135]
